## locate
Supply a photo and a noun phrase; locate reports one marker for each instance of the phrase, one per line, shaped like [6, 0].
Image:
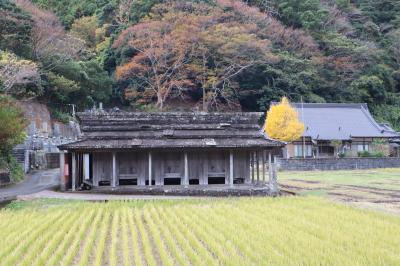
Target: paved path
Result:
[34, 182]
[95, 196]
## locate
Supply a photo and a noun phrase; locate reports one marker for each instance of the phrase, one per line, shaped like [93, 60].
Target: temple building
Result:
[340, 130]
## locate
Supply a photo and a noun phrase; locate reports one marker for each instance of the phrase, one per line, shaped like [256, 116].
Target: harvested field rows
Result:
[258, 231]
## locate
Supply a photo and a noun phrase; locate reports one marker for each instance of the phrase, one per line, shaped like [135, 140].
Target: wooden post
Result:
[258, 167]
[114, 170]
[273, 181]
[62, 175]
[186, 174]
[73, 166]
[231, 168]
[86, 167]
[263, 165]
[269, 166]
[252, 166]
[150, 168]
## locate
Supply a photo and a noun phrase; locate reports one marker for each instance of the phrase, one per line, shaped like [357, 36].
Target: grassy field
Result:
[245, 231]
[388, 178]
[377, 189]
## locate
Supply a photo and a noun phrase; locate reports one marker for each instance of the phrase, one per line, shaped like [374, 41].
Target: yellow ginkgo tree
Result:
[282, 122]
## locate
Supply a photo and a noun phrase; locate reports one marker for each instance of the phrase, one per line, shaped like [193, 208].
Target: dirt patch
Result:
[376, 198]
[306, 181]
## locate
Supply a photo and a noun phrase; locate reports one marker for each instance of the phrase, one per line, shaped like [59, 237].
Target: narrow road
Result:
[33, 183]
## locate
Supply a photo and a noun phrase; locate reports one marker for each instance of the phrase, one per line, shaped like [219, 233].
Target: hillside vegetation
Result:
[256, 231]
[202, 55]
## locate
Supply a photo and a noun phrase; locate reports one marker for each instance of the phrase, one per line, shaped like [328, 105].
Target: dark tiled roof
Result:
[123, 130]
[327, 121]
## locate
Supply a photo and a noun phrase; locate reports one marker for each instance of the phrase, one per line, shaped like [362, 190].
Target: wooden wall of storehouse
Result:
[166, 164]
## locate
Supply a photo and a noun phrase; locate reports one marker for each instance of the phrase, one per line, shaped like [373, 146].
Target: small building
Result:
[339, 129]
[120, 148]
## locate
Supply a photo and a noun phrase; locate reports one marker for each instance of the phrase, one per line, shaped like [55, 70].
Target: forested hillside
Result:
[201, 55]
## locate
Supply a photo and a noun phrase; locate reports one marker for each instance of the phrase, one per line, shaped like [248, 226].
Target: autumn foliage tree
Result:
[191, 50]
[282, 122]
[51, 44]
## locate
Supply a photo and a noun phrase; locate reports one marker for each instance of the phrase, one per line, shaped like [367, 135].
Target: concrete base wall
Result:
[336, 163]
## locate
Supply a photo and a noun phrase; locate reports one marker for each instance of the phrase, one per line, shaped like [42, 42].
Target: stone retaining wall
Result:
[336, 163]
[44, 160]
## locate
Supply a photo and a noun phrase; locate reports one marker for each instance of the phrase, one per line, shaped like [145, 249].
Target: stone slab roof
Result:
[134, 130]
[341, 121]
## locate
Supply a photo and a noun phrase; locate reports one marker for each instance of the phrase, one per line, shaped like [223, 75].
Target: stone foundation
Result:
[200, 191]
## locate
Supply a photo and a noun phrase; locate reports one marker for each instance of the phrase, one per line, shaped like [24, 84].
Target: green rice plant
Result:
[79, 235]
[190, 244]
[167, 236]
[17, 228]
[183, 239]
[268, 230]
[101, 239]
[245, 231]
[213, 229]
[21, 232]
[48, 242]
[137, 255]
[90, 239]
[148, 250]
[158, 241]
[124, 236]
[58, 254]
[227, 252]
[21, 245]
[114, 238]
[248, 225]
[13, 223]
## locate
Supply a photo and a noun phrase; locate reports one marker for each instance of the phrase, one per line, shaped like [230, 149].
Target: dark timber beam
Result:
[150, 168]
[263, 165]
[258, 167]
[114, 170]
[231, 168]
[269, 166]
[186, 170]
[252, 166]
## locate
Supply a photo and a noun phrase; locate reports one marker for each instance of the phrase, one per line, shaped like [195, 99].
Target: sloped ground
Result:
[234, 231]
[34, 182]
[376, 189]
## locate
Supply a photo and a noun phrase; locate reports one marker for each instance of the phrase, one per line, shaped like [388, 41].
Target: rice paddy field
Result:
[235, 231]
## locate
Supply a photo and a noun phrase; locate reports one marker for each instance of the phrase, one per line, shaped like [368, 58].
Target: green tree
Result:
[369, 89]
[15, 29]
[12, 126]
[85, 29]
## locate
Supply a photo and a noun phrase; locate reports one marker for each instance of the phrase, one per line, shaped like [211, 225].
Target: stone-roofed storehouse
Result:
[332, 129]
[130, 148]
